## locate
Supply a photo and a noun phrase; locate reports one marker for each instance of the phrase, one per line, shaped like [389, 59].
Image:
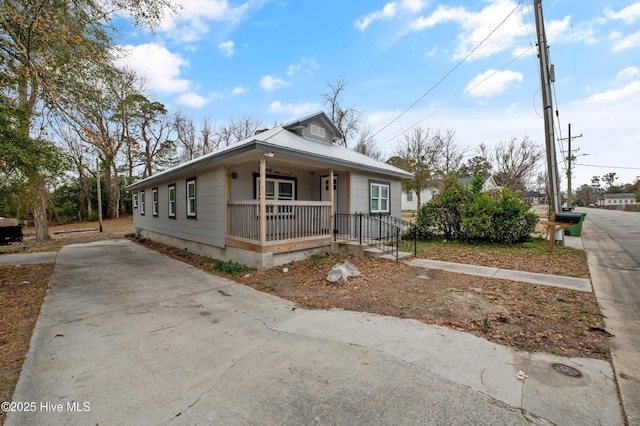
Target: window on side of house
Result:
[379, 197]
[191, 197]
[410, 196]
[142, 202]
[154, 201]
[172, 200]
[135, 200]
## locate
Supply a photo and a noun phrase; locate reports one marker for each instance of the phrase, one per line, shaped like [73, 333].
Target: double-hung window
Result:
[191, 197]
[135, 200]
[154, 201]
[172, 200]
[379, 196]
[142, 202]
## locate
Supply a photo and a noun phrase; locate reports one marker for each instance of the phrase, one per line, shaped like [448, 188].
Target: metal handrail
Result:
[370, 229]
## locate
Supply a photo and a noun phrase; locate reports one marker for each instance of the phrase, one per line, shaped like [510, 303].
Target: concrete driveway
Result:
[129, 336]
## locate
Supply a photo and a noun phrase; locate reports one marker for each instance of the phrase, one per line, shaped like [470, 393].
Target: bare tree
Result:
[451, 153]
[420, 153]
[186, 137]
[346, 119]
[367, 145]
[244, 127]
[515, 163]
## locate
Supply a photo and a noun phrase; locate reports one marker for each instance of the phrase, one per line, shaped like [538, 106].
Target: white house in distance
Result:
[619, 200]
[268, 199]
[410, 199]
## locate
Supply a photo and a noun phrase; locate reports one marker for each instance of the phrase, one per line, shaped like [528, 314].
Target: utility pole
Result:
[570, 158]
[546, 79]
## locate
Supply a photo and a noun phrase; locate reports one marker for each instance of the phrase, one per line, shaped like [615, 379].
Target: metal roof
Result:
[280, 140]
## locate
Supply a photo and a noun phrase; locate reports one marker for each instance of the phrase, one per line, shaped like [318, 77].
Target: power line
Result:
[450, 71]
[431, 114]
[608, 167]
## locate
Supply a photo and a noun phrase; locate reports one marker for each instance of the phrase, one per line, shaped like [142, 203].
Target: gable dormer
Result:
[316, 126]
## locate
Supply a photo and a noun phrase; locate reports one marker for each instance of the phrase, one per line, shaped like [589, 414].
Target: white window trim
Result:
[135, 200]
[154, 201]
[380, 186]
[142, 202]
[172, 200]
[191, 213]
[276, 195]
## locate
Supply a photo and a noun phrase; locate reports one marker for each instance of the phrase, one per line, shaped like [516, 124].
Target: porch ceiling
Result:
[252, 158]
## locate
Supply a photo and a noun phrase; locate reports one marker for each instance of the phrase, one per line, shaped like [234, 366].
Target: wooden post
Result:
[332, 201]
[263, 198]
[227, 194]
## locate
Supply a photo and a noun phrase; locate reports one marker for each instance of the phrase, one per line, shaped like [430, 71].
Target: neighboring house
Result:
[619, 200]
[410, 199]
[268, 199]
[535, 198]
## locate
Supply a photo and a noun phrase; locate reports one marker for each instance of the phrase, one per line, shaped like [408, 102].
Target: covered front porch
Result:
[293, 206]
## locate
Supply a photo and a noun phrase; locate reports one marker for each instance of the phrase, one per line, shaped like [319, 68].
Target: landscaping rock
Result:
[341, 272]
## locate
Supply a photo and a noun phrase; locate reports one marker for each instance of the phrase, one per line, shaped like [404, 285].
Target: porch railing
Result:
[367, 229]
[285, 220]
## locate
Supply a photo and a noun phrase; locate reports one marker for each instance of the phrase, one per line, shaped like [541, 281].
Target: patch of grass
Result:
[548, 317]
[323, 259]
[230, 268]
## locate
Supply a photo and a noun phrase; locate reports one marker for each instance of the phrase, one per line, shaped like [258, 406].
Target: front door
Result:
[324, 193]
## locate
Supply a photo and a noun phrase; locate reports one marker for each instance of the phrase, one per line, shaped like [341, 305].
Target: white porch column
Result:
[263, 198]
[332, 201]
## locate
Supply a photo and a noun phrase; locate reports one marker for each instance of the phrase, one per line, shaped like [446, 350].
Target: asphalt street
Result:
[612, 241]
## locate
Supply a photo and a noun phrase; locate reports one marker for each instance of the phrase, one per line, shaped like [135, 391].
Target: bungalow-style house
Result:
[269, 199]
[410, 199]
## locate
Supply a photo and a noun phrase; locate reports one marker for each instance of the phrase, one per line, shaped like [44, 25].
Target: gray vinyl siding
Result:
[242, 187]
[360, 193]
[209, 225]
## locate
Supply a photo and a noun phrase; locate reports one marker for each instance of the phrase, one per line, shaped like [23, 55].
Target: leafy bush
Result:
[462, 212]
[229, 268]
[444, 212]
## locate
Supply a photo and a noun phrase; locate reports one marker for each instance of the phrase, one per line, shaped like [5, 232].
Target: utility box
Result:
[10, 231]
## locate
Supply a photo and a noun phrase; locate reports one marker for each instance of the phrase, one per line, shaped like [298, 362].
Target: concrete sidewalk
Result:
[129, 336]
[28, 258]
[580, 284]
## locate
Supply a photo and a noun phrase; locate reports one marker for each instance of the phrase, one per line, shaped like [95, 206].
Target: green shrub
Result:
[229, 268]
[463, 213]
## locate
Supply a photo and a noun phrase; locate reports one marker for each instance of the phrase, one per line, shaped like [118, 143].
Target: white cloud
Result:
[476, 26]
[388, 11]
[556, 30]
[227, 48]
[308, 66]
[625, 42]
[191, 21]
[414, 5]
[160, 67]
[294, 109]
[271, 83]
[628, 15]
[616, 96]
[239, 90]
[628, 73]
[492, 82]
[192, 99]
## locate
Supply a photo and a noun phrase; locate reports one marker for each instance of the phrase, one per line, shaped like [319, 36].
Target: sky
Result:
[466, 66]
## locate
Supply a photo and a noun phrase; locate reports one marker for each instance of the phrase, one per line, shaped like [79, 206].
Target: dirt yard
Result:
[525, 316]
